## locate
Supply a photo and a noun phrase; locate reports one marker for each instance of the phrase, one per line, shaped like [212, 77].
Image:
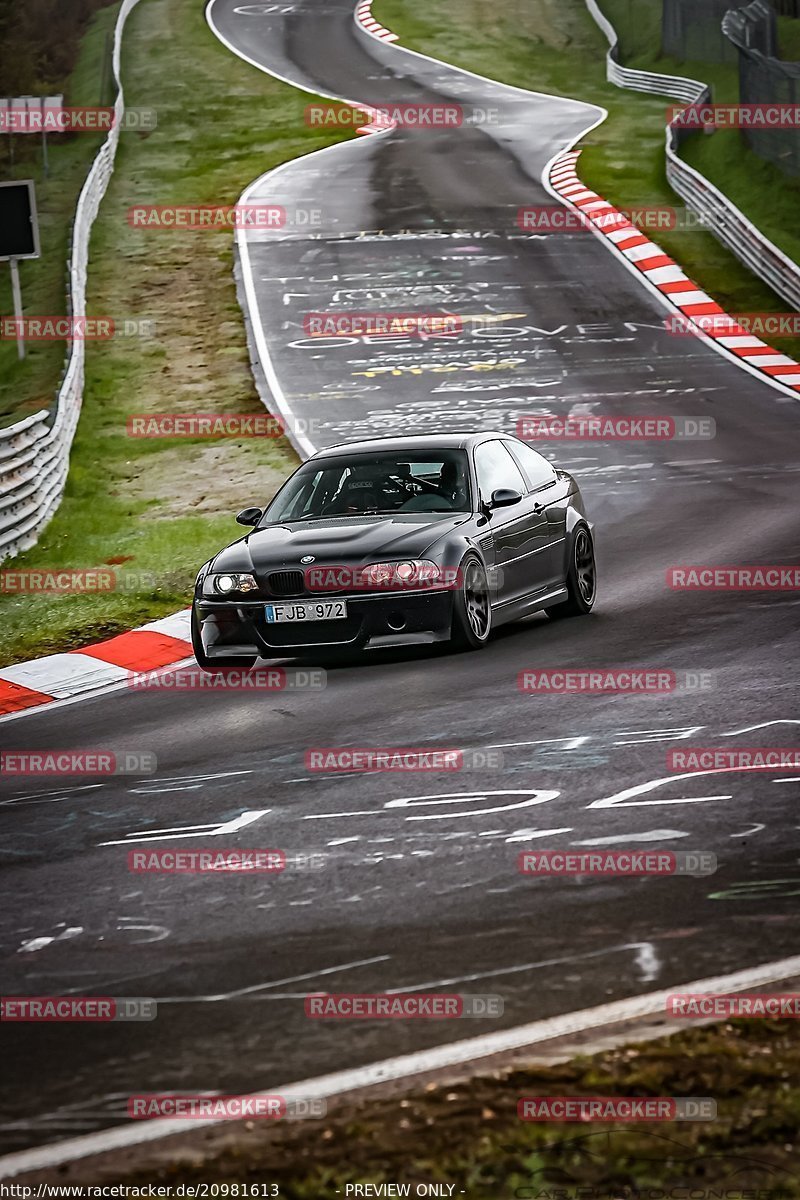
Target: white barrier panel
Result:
[34, 452]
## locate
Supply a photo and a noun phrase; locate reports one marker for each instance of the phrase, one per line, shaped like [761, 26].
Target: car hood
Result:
[351, 541]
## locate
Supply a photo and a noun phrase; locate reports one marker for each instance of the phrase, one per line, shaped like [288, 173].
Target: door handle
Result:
[538, 509]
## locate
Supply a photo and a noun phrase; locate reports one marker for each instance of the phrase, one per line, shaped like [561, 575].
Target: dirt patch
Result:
[212, 480]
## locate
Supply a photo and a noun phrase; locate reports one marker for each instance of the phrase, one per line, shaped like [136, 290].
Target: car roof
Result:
[416, 441]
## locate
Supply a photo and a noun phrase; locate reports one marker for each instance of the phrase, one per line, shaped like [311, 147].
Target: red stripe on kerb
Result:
[702, 310]
[140, 649]
[636, 239]
[680, 285]
[658, 260]
[788, 369]
[14, 697]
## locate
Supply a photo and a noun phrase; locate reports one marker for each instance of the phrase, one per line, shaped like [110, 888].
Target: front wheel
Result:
[472, 610]
[212, 665]
[581, 578]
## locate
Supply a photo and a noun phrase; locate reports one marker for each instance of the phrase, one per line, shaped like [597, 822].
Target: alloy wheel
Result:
[584, 566]
[476, 600]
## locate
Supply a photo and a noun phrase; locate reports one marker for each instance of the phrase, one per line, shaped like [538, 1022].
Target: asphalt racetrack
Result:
[420, 889]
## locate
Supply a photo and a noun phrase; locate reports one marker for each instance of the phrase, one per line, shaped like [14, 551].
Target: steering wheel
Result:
[407, 483]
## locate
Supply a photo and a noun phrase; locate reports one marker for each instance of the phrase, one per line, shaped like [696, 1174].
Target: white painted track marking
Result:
[468, 1051]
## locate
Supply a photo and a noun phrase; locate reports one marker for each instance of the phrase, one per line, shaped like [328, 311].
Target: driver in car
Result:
[448, 492]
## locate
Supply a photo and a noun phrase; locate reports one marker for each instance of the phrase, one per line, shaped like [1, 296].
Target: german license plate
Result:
[317, 610]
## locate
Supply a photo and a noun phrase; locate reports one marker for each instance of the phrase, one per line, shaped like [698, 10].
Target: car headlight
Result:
[411, 573]
[228, 583]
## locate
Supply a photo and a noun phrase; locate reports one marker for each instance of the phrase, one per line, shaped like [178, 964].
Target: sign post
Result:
[17, 293]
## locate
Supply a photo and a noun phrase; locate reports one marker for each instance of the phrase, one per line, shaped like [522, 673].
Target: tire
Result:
[472, 609]
[581, 578]
[213, 665]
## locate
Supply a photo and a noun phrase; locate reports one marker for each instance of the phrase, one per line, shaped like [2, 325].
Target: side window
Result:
[535, 466]
[496, 469]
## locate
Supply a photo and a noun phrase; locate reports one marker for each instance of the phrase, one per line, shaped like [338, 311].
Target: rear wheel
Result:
[213, 665]
[472, 611]
[581, 578]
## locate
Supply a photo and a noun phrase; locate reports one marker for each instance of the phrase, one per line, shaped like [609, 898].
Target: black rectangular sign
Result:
[19, 231]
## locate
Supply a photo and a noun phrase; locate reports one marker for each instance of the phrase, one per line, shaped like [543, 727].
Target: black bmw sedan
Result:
[394, 542]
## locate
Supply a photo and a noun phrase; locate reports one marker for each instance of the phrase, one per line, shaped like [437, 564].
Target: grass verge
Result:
[789, 39]
[156, 509]
[469, 1134]
[554, 46]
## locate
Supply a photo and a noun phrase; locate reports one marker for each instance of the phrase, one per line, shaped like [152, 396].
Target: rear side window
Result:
[496, 469]
[536, 467]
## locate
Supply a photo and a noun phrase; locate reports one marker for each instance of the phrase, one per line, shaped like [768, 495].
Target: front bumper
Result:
[231, 628]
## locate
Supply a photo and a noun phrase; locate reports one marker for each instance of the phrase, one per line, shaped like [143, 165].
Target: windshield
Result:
[387, 482]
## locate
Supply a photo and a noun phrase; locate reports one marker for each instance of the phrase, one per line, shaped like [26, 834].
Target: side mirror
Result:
[504, 497]
[249, 516]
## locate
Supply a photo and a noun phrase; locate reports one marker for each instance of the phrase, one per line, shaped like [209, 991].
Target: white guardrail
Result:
[34, 452]
[728, 224]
